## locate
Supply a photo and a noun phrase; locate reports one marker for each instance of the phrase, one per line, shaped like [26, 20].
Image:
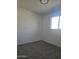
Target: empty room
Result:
[39, 29]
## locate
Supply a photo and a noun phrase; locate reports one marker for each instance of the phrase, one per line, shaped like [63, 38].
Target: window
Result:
[55, 22]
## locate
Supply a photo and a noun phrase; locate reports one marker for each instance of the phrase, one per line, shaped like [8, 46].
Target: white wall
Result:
[52, 36]
[32, 27]
[28, 26]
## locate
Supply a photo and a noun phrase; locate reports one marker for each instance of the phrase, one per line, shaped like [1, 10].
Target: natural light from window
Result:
[55, 22]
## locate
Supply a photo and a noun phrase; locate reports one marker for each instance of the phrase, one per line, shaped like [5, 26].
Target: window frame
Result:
[58, 22]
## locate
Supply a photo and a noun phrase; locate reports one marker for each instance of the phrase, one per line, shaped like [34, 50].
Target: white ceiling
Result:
[37, 7]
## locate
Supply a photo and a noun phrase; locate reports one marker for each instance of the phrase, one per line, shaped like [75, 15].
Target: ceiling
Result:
[36, 7]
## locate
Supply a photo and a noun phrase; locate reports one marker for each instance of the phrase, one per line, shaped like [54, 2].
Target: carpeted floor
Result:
[39, 50]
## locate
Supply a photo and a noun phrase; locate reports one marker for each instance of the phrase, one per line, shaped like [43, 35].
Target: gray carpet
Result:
[38, 50]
